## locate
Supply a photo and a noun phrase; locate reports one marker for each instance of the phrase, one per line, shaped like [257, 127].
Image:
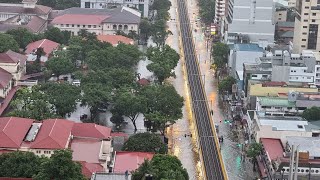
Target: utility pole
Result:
[297, 164]
[294, 163]
[293, 149]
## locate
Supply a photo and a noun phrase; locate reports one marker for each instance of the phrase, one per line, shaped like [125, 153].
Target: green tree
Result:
[164, 106]
[145, 28]
[226, 84]
[60, 166]
[54, 34]
[220, 53]
[254, 151]
[206, 11]
[117, 119]
[145, 142]
[129, 104]
[161, 5]
[121, 77]
[20, 164]
[164, 60]
[160, 33]
[32, 104]
[60, 66]
[22, 36]
[312, 114]
[7, 42]
[63, 96]
[162, 167]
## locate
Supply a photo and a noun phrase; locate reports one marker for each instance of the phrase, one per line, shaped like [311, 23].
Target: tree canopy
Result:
[162, 167]
[145, 142]
[164, 106]
[226, 84]
[32, 104]
[207, 11]
[20, 164]
[22, 36]
[312, 114]
[60, 166]
[54, 34]
[220, 54]
[60, 66]
[164, 60]
[28, 165]
[63, 96]
[7, 42]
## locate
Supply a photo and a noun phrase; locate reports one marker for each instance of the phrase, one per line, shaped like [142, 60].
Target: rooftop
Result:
[280, 124]
[130, 161]
[89, 168]
[53, 134]
[12, 57]
[273, 147]
[110, 176]
[310, 144]
[77, 15]
[91, 130]
[19, 9]
[86, 150]
[275, 101]
[248, 47]
[13, 131]
[115, 39]
[47, 45]
[5, 78]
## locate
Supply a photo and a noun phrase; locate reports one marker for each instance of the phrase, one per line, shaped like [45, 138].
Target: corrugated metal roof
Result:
[248, 47]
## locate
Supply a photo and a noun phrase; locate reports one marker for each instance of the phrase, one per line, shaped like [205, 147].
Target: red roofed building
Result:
[53, 134]
[14, 63]
[13, 130]
[89, 168]
[115, 39]
[91, 130]
[130, 161]
[47, 45]
[6, 83]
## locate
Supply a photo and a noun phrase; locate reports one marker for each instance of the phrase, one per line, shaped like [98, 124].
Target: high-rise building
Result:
[306, 26]
[251, 18]
[220, 10]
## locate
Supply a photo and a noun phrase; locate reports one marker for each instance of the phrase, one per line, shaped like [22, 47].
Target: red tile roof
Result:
[79, 19]
[53, 134]
[13, 130]
[130, 161]
[5, 78]
[85, 149]
[273, 147]
[91, 130]
[115, 39]
[36, 24]
[12, 57]
[47, 45]
[7, 99]
[89, 168]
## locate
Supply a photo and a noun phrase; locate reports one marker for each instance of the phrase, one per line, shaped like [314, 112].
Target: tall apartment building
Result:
[220, 10]
[292, 3]
[306, 26]
[252, 18]
[141, 5]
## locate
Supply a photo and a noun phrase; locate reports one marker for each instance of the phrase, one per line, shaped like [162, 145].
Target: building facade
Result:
[306, 33]
[253, 18]
[141, 5]
[98, 21]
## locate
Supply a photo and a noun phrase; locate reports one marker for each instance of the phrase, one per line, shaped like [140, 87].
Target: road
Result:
[208, 144]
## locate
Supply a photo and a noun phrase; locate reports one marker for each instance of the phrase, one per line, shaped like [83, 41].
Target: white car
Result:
[76, 82]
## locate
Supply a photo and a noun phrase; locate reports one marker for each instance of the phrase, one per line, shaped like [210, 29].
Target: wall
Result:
[240, 57]
[280, 73]
[16, 70]
[4, 92]
[281, 16]
[75, 28]
[300, 74]
[256, 22]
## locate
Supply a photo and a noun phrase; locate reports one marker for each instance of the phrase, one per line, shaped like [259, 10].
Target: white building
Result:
[280, 127]
[141, 5]
[253, 18]
[98, 21]
[220, 10]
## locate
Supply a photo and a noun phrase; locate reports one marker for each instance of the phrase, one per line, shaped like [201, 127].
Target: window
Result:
[94, 26]
[87, 5]
[72, 25]
[306, 20]
[306, 13]
[289, 108]
[304, 33]
[305, 26]
[125, 27]
[89, 26]
[277, 107]
[300, 126]
[67, 25]
[114, 27]
[313, 20]
[304, 40]
[254, 75]
[303, 46]
[307, 7]
[314, 14]
[83, 26]
[78, 25]
[120, 27]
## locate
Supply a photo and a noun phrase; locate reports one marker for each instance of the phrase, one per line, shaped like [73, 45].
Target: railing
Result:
[27, 83]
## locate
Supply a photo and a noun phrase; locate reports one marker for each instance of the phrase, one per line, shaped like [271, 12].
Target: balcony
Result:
[28, 83]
